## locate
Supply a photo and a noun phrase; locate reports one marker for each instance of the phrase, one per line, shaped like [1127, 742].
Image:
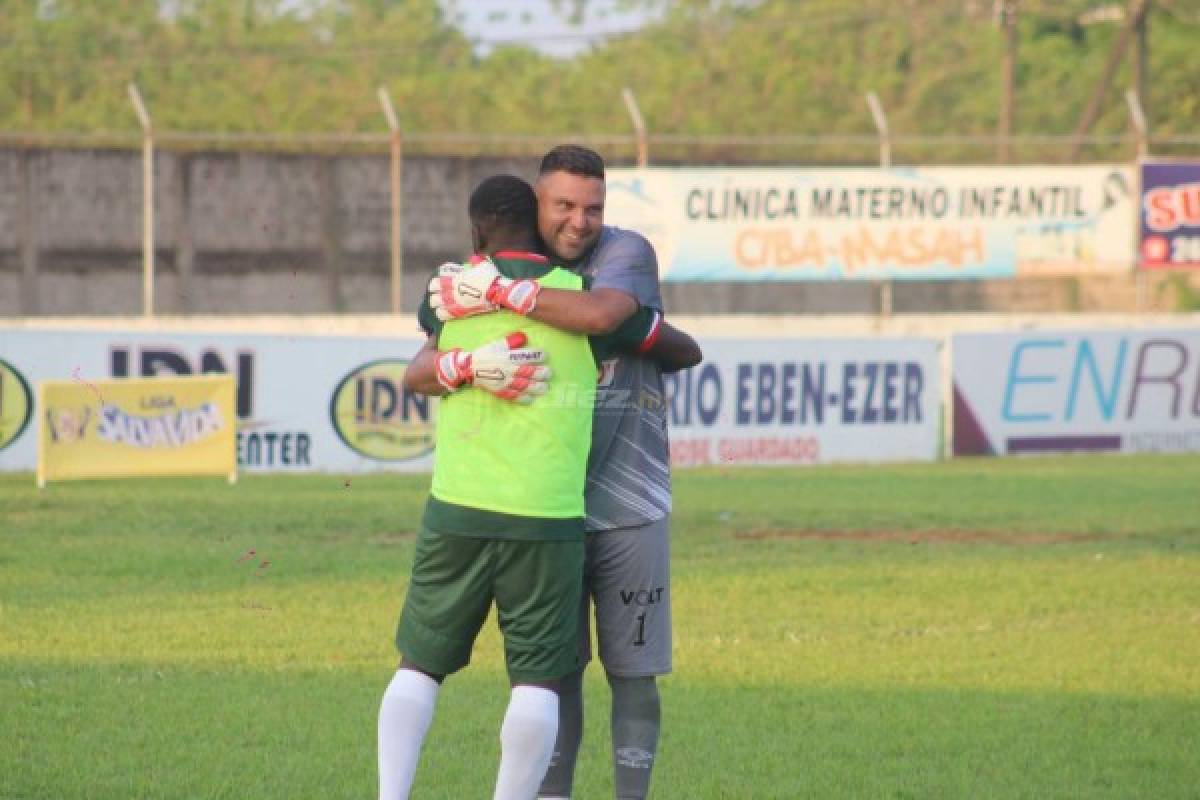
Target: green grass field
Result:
[1023, 628]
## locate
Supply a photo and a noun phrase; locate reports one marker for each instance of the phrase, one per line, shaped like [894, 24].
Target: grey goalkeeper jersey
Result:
[629, 479]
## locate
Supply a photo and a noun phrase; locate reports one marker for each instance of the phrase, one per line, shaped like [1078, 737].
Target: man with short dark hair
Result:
[628, 495]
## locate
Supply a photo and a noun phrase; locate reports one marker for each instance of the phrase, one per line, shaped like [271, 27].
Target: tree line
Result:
[703, 68]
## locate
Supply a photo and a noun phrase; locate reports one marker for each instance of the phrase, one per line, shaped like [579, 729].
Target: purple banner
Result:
[1170, 216]
[1063, 444]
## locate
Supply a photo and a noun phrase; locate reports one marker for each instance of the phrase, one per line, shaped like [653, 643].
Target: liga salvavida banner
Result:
[302, 403]
[876, 224]
[136, 427]
[1077, 391]
[1170, 216]
[806, 401]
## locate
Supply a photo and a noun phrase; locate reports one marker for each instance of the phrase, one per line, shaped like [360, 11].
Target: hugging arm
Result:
[505, 367]
[421, 375]
[673, 350]
[593, 312]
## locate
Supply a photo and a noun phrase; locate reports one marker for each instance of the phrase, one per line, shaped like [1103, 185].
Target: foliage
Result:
[1187, 296]
[703, 67]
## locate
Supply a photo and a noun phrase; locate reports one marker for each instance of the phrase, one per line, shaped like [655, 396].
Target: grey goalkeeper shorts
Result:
[627, 579]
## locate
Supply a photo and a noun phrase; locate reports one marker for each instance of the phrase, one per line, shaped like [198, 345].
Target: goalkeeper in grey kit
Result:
[628, 492]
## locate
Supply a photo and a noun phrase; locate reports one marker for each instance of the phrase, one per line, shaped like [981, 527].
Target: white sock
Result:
[526, 742]
[404, 717]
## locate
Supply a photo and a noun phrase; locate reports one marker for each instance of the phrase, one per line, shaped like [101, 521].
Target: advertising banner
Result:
[806, 401]
[302, 402]
[137, 427]
[877, 224]
[1170, 216]
[325, 403]
[1114, 391]
[16, 404]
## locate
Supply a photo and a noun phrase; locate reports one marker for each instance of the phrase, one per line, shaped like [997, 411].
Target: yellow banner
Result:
[135, 427]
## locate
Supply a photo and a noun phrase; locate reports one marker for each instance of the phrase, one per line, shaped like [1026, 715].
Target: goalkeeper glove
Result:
[463, 290]
[505, 367]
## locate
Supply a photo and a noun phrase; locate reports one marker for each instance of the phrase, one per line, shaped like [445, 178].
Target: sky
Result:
[536, 23]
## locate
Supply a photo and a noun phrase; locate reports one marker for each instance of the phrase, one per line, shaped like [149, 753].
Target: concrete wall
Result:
[248, 233]
[235, 232]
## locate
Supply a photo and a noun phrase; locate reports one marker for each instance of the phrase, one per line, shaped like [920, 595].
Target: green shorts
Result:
[536, 586]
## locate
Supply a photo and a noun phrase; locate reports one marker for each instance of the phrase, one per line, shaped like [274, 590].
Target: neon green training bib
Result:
[495, 455]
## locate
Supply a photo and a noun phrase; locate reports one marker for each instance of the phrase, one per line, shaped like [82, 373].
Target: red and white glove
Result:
[506, 368]
[464, 290]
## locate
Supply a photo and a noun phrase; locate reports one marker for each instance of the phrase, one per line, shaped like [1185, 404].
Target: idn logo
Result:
[150, 361]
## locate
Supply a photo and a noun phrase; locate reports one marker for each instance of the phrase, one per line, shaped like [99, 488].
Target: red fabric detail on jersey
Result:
[525, 255]
[652, 336]
[515, 340]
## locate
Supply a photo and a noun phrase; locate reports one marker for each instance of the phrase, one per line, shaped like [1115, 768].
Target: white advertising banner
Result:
[310, 403]
[872, 224]
[1116, 391]
[303, 402]
[806, 401]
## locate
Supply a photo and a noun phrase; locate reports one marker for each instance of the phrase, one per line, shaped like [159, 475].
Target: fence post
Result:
[885, 162]
[1138, 117]
[639, 126]
[147, 201]
[396, 165]
[881, 127]
[185, 248]
[1006, 11]
[30, 288]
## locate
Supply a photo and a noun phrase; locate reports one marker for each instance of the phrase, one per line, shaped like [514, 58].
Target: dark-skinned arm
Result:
[647, 335]
[673, 350]
[421, 375]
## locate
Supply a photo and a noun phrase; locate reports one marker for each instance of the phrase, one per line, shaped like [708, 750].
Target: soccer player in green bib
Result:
[504, 519]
